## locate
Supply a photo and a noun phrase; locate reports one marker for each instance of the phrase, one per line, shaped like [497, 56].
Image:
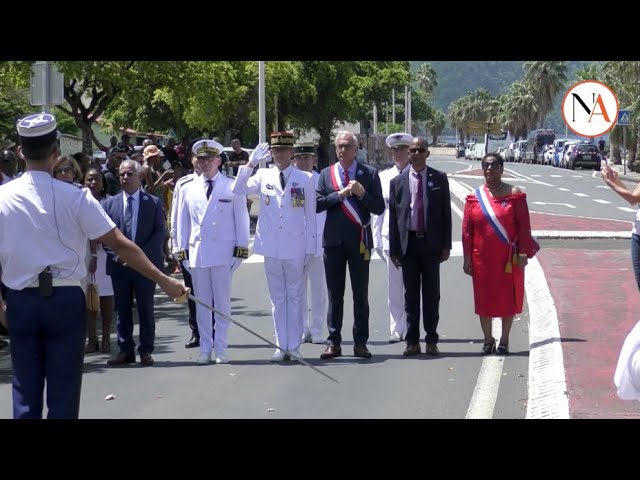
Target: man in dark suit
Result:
[140, 217]
[419, 240]
[349, 192]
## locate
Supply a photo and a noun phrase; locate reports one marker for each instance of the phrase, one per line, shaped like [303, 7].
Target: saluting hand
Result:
[261, 151]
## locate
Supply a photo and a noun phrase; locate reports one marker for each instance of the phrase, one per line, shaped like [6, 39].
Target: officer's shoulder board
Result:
[185, 179]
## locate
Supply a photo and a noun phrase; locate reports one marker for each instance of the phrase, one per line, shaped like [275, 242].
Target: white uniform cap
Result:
[207, 148]
[36, 125]
[399, 140]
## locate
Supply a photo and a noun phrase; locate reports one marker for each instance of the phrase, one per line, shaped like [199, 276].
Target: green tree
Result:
[545, 80]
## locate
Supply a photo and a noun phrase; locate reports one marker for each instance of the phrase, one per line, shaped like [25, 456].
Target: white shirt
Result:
[45, 222]
[134, 207]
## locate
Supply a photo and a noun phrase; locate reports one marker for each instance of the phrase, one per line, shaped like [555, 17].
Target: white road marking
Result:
[563, 189]
[581, 195]
[550, 203]
[547, 383]
[535, 176]
[600, 201]
[556, 176]
[627, 209]
[602, 186]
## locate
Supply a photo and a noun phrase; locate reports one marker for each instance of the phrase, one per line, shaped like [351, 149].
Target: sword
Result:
[183, 298]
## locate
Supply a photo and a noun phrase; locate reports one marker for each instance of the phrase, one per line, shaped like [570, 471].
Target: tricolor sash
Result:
[501, 232]
[349, 209]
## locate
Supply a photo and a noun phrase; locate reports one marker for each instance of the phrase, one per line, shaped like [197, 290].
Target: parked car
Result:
[585, 155]
[460, 151]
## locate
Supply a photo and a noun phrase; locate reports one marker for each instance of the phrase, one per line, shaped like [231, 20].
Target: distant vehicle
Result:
[99, 154]
[536, 142]
[585, 155]
[460, 151]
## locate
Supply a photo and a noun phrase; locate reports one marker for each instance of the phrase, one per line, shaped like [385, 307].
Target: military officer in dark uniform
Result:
[44, 227]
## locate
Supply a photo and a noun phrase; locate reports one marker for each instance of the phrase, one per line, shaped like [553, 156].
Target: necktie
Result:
[209, 187]
[346, 178]
[283, 183]
[128, 218]
[419, 203]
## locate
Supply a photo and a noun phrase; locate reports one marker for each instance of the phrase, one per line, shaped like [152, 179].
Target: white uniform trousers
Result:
[206, 281]
[315, 277]
[285, 279]
[395, 287]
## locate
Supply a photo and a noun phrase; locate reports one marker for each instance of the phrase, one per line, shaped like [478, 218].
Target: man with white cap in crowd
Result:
[44, 227]
[399, 145]
[304, 157]
[627, 376]
[285, 234]
[216, 222]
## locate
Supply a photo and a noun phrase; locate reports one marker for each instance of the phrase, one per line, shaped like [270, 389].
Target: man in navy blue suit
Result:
[419, 241]
[349, 192]
[140, 217]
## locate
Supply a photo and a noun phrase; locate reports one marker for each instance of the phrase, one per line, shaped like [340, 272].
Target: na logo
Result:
[590, 108]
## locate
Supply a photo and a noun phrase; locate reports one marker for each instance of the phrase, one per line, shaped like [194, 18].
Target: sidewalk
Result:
[629, 176]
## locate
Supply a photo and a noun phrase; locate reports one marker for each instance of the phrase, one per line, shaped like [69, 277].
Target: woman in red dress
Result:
[496, 242]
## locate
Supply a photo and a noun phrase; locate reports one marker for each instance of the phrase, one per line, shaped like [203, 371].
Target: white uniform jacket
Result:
[178, 242]
[321, 218]
[214, 227]
[380, 223]
[284, 231]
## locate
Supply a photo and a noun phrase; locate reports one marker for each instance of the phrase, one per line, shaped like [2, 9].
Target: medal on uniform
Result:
[297, 197]
[267, 199]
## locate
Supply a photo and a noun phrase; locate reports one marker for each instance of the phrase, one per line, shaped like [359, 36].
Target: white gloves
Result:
[235, 263]
[261, 151]
[380, 252]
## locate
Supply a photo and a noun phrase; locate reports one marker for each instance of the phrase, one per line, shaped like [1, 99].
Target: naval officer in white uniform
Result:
[285, 234]
[44, 228]
[399, 145]
[304, 157]
[216, 222]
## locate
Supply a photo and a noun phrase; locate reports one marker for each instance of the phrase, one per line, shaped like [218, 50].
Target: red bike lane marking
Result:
[597, 302]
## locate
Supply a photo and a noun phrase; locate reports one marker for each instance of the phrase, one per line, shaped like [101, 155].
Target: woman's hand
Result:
[93, 264]
[523, 261]
[467, 266]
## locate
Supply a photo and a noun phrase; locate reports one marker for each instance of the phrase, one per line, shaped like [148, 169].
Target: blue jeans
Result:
[635, 256]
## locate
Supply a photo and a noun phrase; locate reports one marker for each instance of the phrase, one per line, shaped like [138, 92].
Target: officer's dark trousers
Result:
[335, 266]
[193, 324]
[125, 283]
[47, 343]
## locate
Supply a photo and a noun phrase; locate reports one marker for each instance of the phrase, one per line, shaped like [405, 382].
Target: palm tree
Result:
[519, 109]
[545, 80]
[435, 124]
[427, 78]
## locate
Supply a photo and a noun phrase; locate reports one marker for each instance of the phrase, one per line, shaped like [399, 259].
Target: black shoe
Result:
[502, 349]
[194, 342]
[123, 358]
[489, 348]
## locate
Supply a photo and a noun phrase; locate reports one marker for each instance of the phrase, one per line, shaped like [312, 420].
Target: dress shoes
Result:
[331, 352]
[412, 350]
[395, 337]
[146, 359]
[432, 349]
[361, 351]
[194, 342]
[279, 356]
[123, 358]
[203, 358]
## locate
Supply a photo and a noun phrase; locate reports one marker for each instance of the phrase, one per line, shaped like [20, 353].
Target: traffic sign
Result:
[480, 127]
[624, 117]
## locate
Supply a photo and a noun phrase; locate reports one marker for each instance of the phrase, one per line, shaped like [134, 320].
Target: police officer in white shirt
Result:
[399, 145]
[285, 234]
[304, 157]
[44, 227]
[216, 222]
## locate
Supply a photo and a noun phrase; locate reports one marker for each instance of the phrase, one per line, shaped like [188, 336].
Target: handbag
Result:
[93, 298]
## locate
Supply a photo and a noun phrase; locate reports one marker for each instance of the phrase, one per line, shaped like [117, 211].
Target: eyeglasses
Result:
[490, 165]
[63, 170]
[417, 150]
[126, 174]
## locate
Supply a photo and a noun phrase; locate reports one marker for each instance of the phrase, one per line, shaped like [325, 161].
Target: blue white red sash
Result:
[492, 218]
[348, 208]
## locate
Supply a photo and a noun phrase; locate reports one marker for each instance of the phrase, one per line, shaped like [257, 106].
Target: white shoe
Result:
[204, 358]
[278, 356]
[395, 337]
[222, 358]
[296, 355]
[317, 340]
